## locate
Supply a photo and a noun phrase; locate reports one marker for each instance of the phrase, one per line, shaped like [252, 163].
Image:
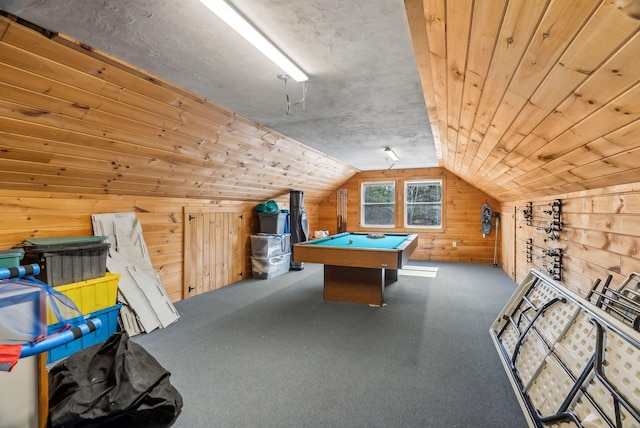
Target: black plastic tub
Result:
[69, 259]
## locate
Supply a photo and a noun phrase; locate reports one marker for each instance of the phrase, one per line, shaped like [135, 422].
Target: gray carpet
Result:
[273, 353]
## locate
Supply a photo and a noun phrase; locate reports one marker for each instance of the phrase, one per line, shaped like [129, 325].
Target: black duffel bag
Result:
[116, 383]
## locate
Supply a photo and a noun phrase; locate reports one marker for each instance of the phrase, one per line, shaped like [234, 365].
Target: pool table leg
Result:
[354, 284]
[390, 275]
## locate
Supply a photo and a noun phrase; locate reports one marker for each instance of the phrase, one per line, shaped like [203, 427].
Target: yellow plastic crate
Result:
[91, 295]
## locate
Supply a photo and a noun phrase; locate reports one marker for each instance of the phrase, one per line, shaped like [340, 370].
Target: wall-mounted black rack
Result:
[528, 213]
[555, 270]
[529, 250]
[555, 224]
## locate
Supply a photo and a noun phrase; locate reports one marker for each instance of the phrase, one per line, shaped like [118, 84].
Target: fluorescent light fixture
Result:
[392, 154]
[246, 30]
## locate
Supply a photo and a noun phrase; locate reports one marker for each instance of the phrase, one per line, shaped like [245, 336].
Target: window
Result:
[378, 204]
[423, 203]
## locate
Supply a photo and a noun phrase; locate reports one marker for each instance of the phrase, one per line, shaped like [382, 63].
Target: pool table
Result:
[357, 267]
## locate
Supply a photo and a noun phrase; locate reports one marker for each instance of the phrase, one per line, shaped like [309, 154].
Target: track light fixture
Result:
[394, 157]
[253, 36]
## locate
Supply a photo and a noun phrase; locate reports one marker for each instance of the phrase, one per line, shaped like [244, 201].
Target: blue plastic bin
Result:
[109, 318]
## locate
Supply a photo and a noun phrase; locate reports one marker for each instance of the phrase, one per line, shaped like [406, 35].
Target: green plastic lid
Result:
[13, 251]
[66, 240]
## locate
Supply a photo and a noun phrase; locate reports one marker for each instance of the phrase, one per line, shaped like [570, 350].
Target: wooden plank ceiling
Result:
[529, 97]
[75, 120]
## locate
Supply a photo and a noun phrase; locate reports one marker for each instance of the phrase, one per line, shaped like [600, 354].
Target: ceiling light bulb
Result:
[246, 30]
[391, 154]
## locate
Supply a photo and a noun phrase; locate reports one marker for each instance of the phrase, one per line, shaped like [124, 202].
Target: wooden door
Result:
[213, 249]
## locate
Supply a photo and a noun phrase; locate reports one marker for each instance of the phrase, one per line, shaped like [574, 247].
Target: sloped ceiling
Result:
[532, 98]
[364, 88]
[75, 120]
[525, 98]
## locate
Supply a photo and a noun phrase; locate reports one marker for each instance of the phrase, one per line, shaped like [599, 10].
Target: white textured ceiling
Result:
[364, 91]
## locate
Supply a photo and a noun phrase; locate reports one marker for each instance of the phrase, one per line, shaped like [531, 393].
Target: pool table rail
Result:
[356, 273]
[394, 258]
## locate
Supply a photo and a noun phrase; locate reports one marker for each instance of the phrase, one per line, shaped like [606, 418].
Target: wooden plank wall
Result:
[461, 215]
[29, 214]
[84, 133]
[600, 235]
[73, 119]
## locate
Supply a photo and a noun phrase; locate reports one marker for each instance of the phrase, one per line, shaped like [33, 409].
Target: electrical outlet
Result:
[454, 244]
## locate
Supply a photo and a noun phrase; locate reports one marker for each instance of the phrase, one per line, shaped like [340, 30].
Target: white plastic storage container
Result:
[270, 244]
[268, 267]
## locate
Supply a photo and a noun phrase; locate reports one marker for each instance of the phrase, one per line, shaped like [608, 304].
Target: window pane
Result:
[424, 193]
[424, 215]
[382, 214]
[379, 193]
[378, 204]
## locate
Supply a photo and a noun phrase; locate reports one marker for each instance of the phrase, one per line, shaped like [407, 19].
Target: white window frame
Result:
[362, 204]
[427, 181]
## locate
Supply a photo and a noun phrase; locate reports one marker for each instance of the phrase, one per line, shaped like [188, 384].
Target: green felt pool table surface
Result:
[356, 267]
[361, 240]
